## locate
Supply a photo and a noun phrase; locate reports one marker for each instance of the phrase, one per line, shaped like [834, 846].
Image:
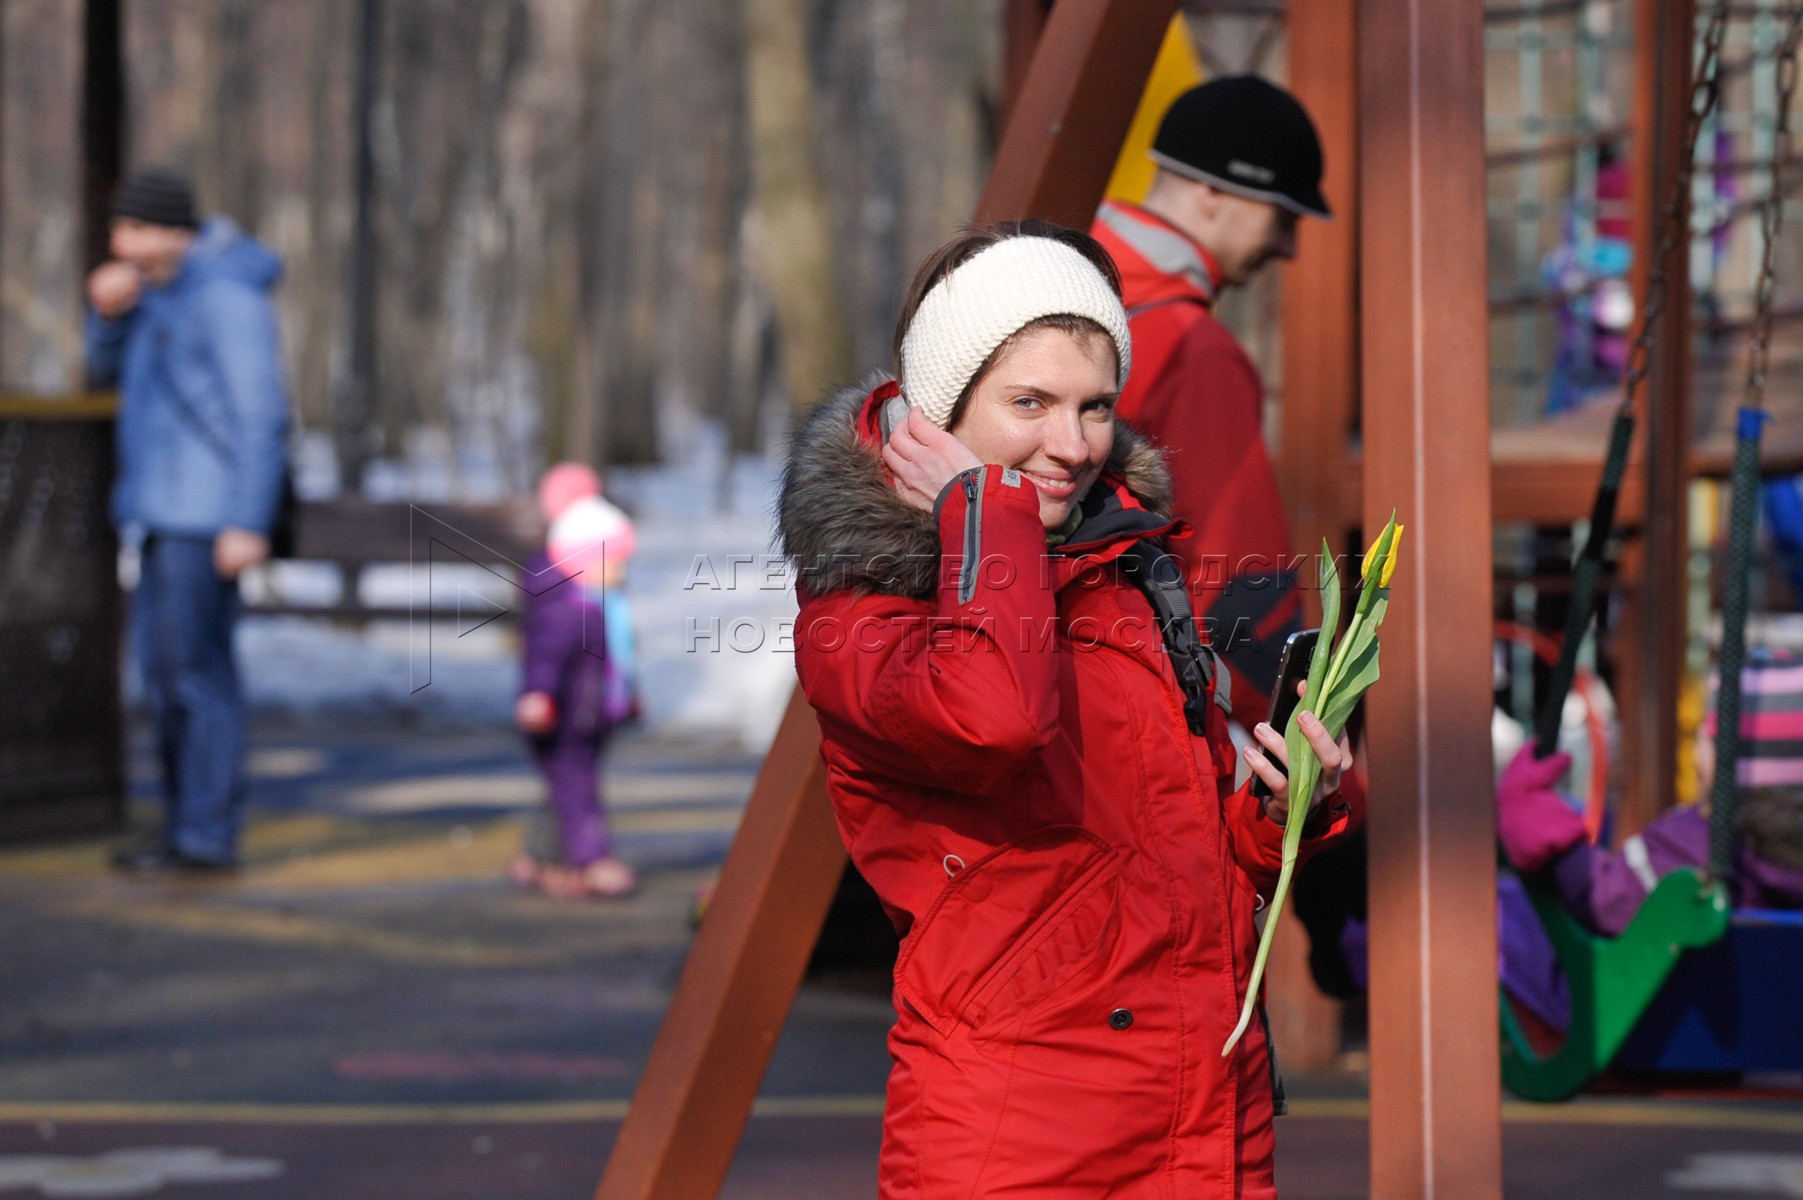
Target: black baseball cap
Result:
[1247, 136]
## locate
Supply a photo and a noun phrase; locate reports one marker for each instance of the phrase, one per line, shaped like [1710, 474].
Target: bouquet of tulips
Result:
[1339, 673]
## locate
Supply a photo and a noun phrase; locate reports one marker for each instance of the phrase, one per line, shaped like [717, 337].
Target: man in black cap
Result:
[182, 322]
[1238, 164]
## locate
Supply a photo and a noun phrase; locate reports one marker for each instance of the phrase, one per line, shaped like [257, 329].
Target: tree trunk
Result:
[795, 243]
[42, 224]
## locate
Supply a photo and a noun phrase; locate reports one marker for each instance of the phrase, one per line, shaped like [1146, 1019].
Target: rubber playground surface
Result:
[370, 1010]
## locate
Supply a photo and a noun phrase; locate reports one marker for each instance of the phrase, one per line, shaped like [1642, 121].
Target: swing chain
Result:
[1705, 91]
[1743, 506]
[1772, 213]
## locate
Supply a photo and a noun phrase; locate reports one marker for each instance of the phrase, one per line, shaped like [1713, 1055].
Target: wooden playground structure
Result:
[1385, 406]
[1393, 298]
[1387, 313]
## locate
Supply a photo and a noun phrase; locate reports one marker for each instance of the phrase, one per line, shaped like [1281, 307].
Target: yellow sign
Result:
[1176, 71]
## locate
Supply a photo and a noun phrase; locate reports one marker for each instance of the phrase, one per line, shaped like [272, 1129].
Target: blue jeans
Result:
[183, 616]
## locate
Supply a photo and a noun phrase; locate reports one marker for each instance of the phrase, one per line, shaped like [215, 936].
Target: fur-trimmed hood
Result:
[842, 525]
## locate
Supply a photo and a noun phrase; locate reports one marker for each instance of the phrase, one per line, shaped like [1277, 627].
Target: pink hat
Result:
[588, 536]
[565, 484]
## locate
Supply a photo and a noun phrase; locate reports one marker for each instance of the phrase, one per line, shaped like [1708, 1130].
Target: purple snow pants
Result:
[571, 765]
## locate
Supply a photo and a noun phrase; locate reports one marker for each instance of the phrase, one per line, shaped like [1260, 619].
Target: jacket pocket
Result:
[1009, 928]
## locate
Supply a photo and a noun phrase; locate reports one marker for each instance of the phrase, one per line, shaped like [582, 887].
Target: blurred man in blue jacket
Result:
[182, 322]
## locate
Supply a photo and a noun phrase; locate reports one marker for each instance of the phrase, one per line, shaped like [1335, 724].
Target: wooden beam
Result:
[742, 973]
[1320, 288]
[1649, 648]
[1022, 23]
[1435, 1119]
[1319, 397]
[1059, 145]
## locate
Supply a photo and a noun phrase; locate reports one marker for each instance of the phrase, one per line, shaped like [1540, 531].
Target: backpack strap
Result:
[1157, 573]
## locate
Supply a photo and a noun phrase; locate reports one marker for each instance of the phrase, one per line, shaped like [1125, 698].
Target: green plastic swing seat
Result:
[1612, 980]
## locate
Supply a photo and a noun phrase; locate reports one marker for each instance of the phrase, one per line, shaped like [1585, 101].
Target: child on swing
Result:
[576, 680]
[1541, 832]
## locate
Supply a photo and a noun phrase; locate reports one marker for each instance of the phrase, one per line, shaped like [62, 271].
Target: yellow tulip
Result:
[1370, 558]
[1390, 560]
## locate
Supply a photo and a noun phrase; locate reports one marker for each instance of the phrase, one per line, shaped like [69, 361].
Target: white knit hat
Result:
[987, 299]
[589, 535]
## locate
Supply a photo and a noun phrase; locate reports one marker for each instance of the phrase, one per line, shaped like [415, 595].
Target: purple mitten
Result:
[1535, 823]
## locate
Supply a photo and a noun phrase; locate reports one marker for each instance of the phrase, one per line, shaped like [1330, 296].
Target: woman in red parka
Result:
[1027, 752]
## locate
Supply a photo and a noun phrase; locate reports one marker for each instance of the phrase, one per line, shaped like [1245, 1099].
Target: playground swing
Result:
[1688, 985]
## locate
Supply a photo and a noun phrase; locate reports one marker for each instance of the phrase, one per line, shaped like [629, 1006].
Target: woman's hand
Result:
[1334, 757]
[923, 458]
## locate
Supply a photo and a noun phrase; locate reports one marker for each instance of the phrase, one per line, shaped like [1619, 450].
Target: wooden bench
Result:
[354, 534]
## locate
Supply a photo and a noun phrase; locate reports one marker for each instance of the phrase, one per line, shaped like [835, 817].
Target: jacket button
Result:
[1120, 1018]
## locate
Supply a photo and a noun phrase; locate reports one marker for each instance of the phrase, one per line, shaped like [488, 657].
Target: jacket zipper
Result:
[973, 534]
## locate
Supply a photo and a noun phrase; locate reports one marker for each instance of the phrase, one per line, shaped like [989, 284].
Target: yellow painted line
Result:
[60, 862]
[109, 1113]
[679, 820]
[466, 852]
[818, 1106]
[291, 929]
[664, 787]
[525, 789]
[297, 853]
[442, 791]
[266, 837]
[1656, 1113]
[552, 1112]
[1653, 1113]
[1665, 1114]
[475, 851]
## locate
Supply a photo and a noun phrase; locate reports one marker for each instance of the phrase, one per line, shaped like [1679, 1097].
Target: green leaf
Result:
[1339, 673]
[1361, 673]
[1330, 625]
[1359, 634]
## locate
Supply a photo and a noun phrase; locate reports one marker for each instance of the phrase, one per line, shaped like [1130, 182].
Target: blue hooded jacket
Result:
[203, 417]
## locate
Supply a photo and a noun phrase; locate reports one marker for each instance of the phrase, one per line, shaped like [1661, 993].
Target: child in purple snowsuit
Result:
[571, 697]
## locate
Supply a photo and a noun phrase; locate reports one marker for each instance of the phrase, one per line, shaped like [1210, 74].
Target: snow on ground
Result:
[712, 604]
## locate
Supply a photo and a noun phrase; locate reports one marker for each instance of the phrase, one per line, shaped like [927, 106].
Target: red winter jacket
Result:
[1196, 394]
[1072, 872]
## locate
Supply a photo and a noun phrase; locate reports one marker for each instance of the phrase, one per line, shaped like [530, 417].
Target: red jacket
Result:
[1073, 874]
[1197, 395]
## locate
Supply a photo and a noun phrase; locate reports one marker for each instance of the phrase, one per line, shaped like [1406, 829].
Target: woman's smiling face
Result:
[1046, 409]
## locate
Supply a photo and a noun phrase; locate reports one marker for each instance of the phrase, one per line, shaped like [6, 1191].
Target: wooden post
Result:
[740, 979]
[1320, 394]
[1320, 288]
[1435, 1120]
[1650, 648]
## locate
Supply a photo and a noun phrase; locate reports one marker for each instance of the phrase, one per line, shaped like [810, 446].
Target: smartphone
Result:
[1292, 669]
